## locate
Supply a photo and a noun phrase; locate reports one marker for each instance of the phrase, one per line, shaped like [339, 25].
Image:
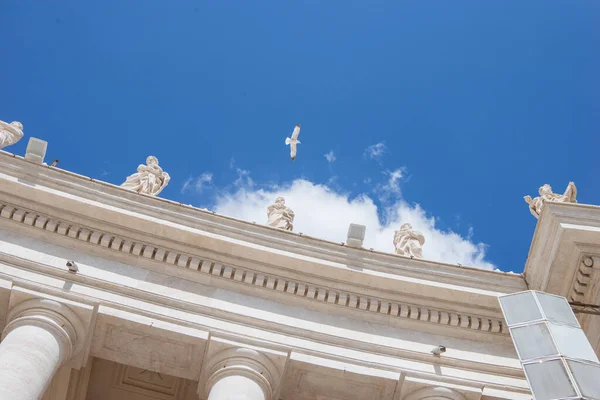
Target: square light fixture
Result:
[36, 150]
[356, 235]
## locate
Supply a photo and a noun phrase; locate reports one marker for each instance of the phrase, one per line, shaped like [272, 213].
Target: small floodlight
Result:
[36, 150]
[356, 235]
[72, 266]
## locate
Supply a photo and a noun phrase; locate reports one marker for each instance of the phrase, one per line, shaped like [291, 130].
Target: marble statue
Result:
[149, 179]
[280, 216]
[409, 242]
[535, 205]
[10, 133]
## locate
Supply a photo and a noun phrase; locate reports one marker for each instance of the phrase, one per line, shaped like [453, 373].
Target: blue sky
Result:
[443, 114]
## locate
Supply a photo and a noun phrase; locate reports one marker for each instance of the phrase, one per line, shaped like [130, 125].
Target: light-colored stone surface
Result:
[546, 195]
[415, 387]
[408, 242]
[10, 133]
[138, 341]
[40, 336]
[256, 366]
[280, 216]
[566, 237]
[29, 357]
[58, 389]
[309, 378]
[149, 179]
[237, 387]
[113, 381]
[166, 288]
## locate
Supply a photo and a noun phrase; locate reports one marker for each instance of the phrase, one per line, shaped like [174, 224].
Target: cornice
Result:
[105, 195]
[566, 236]
[239, 275]
[563, 258]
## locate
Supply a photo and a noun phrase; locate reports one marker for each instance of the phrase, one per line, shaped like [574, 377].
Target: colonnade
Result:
[41, 335]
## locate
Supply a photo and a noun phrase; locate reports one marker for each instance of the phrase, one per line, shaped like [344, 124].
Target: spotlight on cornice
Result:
[438, 350]
[72, 266]
[36, 150]
[356, 235]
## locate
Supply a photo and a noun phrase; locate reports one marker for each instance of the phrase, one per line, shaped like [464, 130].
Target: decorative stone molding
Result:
[582, 279]
[248, 277]
[146, 383]
[435, 393]
[244, 362]
[143, 342]
[41, 336]
[415, 386]
[265, 366]
[68, 318]
[53, 316]
[53, 191]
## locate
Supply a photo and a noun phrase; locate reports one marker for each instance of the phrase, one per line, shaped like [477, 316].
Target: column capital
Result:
[243, 362]
[51, 315]
[258, 361]
[72, 320]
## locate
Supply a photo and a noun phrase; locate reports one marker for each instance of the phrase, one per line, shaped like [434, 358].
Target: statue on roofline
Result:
[409, 242]
[149, 179]
[546, 194]
[10, 133]
[280, 216]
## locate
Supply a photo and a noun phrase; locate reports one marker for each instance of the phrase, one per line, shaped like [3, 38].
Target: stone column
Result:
[241, 374]
[40, 336]
[237, 387]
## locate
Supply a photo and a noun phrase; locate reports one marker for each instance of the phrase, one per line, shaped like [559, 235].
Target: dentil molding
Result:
[246, 276]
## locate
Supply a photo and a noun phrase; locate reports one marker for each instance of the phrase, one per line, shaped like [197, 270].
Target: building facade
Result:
[109, 294]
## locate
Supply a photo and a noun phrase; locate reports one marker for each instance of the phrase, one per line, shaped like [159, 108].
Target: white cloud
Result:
[243, 179]
[392, 186]
[375, 151]
[330, 157]
[198, 183]
[325, 213]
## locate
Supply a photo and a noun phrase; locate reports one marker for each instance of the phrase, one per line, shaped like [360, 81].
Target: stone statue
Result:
[150, 179]
[535, 205]
[280, 216]
[408, 242]
[10, 133]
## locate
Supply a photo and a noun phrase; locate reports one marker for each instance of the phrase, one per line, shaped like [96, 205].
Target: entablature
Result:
[463, 316]
[165, 224]
[155, 234]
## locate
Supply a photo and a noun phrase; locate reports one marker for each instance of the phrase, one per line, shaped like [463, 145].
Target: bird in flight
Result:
[293, 141]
